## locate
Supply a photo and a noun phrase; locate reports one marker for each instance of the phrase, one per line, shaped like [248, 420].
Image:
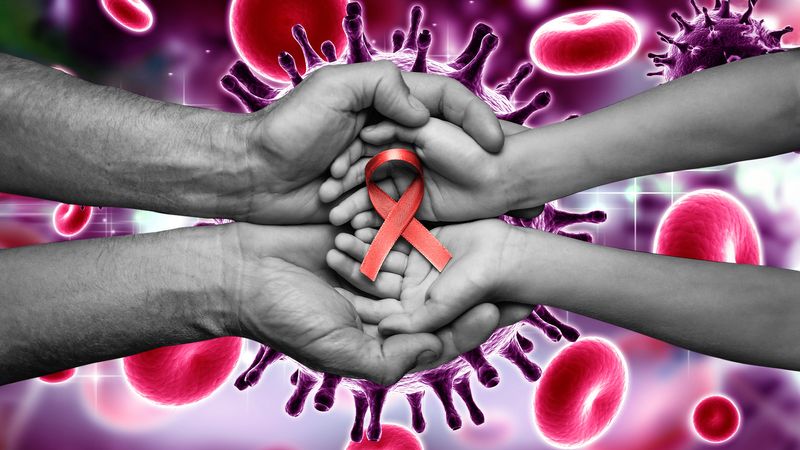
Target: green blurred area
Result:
[23, 34]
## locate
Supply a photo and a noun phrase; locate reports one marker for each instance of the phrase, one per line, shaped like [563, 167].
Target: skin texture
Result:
[719, 309]
[118, 149]
[684, 124]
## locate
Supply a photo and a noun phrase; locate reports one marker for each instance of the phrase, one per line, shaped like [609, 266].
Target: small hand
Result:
[462, 181]
[291, 144]
[407, 281]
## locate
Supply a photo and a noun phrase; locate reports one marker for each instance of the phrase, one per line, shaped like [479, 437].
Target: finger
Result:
[350, 207]
[368, 234]
[511, 128]
[511, 313]
[366, 219]
[395, 262]
[376, 84]
[372, 311]
[386, 285]
[333, 188]
[445, 97]
[399, 354]
[352, 153]
[456, 290]
[386, 131]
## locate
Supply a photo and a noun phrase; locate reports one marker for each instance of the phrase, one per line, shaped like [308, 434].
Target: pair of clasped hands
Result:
[411, 317]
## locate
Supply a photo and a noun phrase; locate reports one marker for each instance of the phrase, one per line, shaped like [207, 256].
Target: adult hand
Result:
[290, 145]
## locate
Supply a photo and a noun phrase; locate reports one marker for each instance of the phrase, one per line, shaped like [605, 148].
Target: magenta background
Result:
[181, 60]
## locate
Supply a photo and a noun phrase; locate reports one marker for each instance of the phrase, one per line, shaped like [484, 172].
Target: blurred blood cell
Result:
[262, 29]
[585, 42]
[715, 419]
[132, 15]
[580, 393]
[183, 374]
[393, 437]
[71, 220]
[58, 377]
[711, 225]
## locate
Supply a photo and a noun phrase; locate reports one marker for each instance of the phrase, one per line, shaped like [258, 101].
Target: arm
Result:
[743, 313]
[739, 111]
[73, 303]
[68, 140]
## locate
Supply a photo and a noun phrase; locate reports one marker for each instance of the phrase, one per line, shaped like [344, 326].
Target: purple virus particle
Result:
[714, 38]
[409, 52]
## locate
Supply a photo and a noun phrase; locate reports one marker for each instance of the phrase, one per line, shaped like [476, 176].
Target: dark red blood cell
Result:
[580, 393]
[585, 42]
[133, 15]
[262, 29]
[58, 377]
[393, 437]
[70, 220]
[709, 224]
[715, 419]
[182, 374]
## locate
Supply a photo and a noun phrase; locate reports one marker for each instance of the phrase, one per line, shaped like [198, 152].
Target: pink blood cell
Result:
[585, 42]
[261, 30]
[58, 377]
[709, 224]
[393, 437]
[132, 15]
[580, 393]
[715, 419]
[183, 374]
[70, 220]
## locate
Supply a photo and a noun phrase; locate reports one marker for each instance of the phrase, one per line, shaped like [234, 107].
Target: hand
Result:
[290, 300]
[291, 144]
[407, 281]
[462, 181]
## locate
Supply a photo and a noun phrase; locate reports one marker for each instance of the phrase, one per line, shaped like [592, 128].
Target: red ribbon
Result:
[399, 218]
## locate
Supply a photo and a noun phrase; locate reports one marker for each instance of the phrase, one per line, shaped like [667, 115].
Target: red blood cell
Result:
[580, 393]
[262, 29]
[709, 224]
[70, 220]
[715, 419]
[183, 374]
[585, 42]
[58, 377]
[133, 15]
[393, 437]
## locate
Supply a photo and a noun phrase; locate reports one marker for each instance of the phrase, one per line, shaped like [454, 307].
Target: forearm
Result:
[73, 303]
[743, 313]
[740, 111]
[68, 140]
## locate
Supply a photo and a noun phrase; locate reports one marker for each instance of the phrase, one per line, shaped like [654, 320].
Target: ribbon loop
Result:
[399, 218]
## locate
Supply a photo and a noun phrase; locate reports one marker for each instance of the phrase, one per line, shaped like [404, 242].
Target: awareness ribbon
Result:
[399, 218]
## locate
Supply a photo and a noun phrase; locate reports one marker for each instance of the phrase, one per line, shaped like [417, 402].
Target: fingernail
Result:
[426, 358]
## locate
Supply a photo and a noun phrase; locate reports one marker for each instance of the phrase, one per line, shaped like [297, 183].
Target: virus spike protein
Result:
[409, 53]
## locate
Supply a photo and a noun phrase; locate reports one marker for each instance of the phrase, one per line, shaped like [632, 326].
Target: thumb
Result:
[457, 289]
[379, 85]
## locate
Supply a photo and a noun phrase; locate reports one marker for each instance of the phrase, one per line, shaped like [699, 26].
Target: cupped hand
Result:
[290, 145]
[407, 282]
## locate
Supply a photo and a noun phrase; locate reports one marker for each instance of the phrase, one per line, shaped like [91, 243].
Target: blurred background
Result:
[181, 59]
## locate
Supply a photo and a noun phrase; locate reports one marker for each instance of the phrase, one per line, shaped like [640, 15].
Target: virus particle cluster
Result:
[714, 38]
[409, 53]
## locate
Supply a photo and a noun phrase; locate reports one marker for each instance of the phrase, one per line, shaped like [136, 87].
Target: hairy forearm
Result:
[73, 303]
[742, 313]
[68, 140]
[740, 111]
